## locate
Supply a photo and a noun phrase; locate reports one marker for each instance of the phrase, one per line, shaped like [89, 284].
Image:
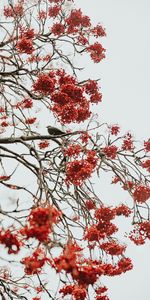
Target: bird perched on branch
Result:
[54, 131]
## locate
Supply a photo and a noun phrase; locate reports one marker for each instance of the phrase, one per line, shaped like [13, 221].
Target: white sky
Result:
[125, 72]
[125, 76]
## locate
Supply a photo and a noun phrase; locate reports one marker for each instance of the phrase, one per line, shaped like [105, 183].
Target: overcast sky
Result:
[125, 76]
[125, 72]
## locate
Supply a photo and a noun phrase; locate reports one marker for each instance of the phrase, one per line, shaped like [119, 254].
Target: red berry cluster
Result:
[41, 221]
[70, 100]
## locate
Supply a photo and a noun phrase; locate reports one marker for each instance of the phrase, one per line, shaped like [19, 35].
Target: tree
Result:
[54, 223]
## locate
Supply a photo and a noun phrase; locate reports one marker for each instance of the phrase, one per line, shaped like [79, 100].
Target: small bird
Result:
[54, 131]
